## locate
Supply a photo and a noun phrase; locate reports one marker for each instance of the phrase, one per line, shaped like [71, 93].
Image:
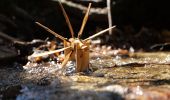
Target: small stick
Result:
[12, 39]
[52, 32]
[67, 19]
[84, 21]
[49, 52]
[99, 33]
[109, 15]
[16, 41]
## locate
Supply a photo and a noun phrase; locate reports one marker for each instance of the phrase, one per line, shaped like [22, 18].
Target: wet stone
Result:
[140, 76]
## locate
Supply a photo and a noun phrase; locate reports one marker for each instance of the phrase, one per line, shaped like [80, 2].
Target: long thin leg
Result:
[67, 20]
[99, 33]
[52, 32]
[48, 52]
[66, 59]
[84, 21]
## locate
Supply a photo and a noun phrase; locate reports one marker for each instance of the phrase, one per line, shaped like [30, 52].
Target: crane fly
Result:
[75, 48]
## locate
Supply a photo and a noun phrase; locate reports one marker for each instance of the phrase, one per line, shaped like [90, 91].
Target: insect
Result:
[75, 48]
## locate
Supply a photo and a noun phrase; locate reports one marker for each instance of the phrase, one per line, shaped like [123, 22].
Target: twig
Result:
[98, 11]
[109, 15]
[16, 41]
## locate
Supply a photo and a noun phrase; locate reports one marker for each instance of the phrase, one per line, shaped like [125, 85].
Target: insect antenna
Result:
[99, 33]
[67, 20]
[84, 21]
[52, 32]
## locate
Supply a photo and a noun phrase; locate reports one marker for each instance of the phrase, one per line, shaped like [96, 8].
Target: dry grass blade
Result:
[52, 32]
[48, 52]
[84, 21]
[66, 59]
[67, 19]
[99, 33]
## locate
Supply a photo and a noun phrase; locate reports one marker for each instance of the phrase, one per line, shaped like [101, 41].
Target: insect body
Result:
[74, 48]
[79, 52]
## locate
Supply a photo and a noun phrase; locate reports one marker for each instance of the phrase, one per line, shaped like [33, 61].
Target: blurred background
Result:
[140, 23]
